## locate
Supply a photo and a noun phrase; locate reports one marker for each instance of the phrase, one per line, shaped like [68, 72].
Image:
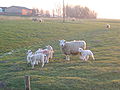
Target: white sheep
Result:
[108, 26]
[40, 57]
[46, 52]
[85, 54]
[35, 58]
[29, 56]
[71, 48]
[37, 19]
[51, 51]
[40, 20]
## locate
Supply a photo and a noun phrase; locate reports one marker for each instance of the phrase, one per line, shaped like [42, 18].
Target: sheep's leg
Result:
[51, 55]
[87, 57]
[67, 57]
[36, 62]
[46, 59]
[93, 57]
[28, 60]
[84, 58]
[43, 62]
[32, 65]
[81, 57]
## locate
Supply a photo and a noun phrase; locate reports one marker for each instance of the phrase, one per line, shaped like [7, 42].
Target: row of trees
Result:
[42, 13]
[70, 12]
[80, 12]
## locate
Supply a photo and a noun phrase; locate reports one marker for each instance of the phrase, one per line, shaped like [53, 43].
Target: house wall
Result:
[14, 11]
[1, 10]
[26, 12]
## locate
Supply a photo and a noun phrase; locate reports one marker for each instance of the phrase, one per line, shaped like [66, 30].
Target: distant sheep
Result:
[108, 26]
[73, 19]
[37, 19]
[85, 54]
[35, 58]
[71, 48]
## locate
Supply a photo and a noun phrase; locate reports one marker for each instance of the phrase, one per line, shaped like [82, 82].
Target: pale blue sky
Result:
[104, 8]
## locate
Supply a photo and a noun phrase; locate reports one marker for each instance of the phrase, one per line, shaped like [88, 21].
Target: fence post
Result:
[27, 82]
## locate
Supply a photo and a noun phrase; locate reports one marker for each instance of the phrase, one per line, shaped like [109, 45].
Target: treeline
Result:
[80, 12]
[41, 12]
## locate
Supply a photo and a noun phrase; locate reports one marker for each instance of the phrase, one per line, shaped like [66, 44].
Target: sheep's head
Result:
[48, 46]
[80, 49]
[62, 42]
[28, 51]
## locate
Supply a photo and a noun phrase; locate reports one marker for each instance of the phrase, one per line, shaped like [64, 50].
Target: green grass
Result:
[20, 35]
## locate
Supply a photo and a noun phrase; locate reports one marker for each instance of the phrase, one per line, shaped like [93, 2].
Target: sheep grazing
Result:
[73, 19]
[71, 48]
[40, 20]
[35, 58]
[108, 26]
[37, 19]
[85, 54]
[34, 19]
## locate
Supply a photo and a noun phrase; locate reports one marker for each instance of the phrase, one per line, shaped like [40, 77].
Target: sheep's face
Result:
[28, 51]
[80, 49]
[62, 42]
[48, 46]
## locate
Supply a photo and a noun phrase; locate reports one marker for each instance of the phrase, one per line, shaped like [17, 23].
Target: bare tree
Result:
[47, 13]
[80, 12]
[59, 10]
[53, 13]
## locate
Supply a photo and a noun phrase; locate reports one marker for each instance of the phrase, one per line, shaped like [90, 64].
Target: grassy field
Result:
[19, 35]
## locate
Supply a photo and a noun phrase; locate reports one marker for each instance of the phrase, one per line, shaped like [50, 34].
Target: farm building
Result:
[17, 10]
[2, 10]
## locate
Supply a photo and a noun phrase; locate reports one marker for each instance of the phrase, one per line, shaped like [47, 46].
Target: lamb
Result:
[44, 51]
[40, 57]
[71, 48]
[29, 56]
[48, 52]
[85, 54]
[35, 58]
[51, 51]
